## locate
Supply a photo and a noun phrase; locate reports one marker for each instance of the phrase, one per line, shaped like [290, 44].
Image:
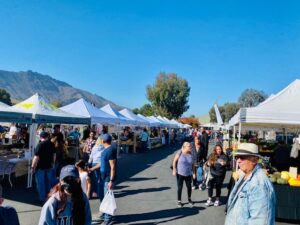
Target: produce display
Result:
[284, 178]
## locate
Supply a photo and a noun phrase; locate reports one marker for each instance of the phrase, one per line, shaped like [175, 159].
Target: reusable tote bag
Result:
[108, 204]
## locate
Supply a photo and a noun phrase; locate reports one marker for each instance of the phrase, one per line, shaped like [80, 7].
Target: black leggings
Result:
[215, 182]
[188, 183]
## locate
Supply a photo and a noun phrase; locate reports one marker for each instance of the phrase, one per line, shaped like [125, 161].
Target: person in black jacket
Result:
[199, 158]
[8, 215]
[204, 140]
[217, 162]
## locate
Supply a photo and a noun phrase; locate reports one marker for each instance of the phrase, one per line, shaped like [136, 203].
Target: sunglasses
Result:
[242, 157]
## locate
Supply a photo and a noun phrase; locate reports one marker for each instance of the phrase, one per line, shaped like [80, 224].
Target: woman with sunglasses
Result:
[67, 204]
[217, 162]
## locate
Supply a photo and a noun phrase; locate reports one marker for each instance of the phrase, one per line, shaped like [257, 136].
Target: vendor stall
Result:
[287, 202]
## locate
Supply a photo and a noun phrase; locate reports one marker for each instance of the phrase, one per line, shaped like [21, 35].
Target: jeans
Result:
[45, 179]
[95, 176]
[188, 183]
[125, 148]
[199, 177]
[144, 146]
[104, 185]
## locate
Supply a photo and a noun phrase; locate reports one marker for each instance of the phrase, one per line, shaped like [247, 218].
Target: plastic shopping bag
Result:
[108, 204]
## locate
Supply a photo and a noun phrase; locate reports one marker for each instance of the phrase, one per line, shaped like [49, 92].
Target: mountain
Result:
[22, 85]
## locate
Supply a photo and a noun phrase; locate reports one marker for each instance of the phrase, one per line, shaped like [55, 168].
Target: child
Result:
[84, 177]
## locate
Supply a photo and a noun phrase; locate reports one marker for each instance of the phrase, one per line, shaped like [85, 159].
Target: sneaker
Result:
[217, 203]
[191, 203]
[179, 205]
[209, 203]
[194, 187]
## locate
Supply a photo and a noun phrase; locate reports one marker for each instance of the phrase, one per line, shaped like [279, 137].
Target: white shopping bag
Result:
[108, 204]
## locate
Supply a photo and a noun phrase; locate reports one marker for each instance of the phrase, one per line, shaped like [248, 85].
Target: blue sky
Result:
[115, 48]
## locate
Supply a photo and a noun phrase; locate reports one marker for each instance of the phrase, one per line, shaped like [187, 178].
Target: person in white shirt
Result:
[85, 180]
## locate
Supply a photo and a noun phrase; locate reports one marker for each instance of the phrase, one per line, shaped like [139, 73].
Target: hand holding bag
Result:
[108, 204]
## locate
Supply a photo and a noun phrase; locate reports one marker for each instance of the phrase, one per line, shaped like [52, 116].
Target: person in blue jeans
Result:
[43, 166]
[107, 172]
[199, 158]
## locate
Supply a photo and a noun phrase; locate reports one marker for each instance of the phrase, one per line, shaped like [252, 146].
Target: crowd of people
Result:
[64, 189]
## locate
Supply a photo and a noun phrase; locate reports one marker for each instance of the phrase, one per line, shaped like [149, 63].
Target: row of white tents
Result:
[36, 110]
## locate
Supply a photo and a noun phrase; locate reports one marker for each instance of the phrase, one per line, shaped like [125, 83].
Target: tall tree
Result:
[135, 111]
[169, 95]
[230, 109]
[146, 110]
[5, 97]
[251, 98]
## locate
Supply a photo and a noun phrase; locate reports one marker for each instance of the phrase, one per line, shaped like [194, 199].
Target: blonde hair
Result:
[186, 144]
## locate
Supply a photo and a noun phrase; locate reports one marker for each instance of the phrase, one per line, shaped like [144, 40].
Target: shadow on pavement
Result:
[19, 192]
[123, 193]
[136, 179]
[132, 164]
[161, 216]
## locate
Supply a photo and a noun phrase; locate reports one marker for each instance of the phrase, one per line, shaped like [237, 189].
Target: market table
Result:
[287, 202]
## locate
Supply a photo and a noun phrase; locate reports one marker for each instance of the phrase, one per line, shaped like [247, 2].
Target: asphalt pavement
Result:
[145, 194]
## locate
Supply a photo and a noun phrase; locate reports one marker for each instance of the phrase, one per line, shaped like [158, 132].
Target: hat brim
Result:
[244, 152]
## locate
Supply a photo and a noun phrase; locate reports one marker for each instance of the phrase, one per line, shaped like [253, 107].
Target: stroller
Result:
[206, 175]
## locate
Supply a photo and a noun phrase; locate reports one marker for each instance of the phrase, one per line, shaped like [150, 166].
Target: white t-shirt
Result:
[83, 178]
[12, 131]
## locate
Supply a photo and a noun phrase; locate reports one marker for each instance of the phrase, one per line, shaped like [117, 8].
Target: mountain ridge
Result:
[21, 85]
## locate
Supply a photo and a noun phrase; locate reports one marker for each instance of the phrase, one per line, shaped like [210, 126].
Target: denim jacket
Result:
[253, 202]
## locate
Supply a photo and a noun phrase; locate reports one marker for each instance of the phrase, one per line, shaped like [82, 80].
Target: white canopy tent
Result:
[168, 122]
[278, 111]
[83, 108]
[161, 123]
[43, 112]
[130, 115]
[180, 125]
[114, 113]
[3, 105]
[152, 123]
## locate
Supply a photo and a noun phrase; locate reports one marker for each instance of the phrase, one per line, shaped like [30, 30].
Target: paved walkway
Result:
[146, 194]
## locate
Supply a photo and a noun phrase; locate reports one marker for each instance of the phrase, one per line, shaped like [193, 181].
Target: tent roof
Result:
[280, 110]
[43, 112]
[83, 108]
[151, 122]
[130, 115]
[114, 113]
[3, 105]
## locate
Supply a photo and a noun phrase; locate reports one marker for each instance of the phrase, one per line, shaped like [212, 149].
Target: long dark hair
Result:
[214, 155]
[78, 211]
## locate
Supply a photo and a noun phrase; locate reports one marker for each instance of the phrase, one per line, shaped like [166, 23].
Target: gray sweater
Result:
[50, 217]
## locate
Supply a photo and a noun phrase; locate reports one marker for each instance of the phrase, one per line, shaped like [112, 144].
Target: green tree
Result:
[135, 111]
[56, 104]
[251, 98]
[169, 95]
[5, 97]
[146, 110]
[230, 109]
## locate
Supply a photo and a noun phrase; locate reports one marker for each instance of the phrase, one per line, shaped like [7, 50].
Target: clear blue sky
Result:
[116, 48]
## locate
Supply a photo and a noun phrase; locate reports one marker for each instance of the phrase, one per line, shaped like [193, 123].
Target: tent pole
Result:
[240, 129]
